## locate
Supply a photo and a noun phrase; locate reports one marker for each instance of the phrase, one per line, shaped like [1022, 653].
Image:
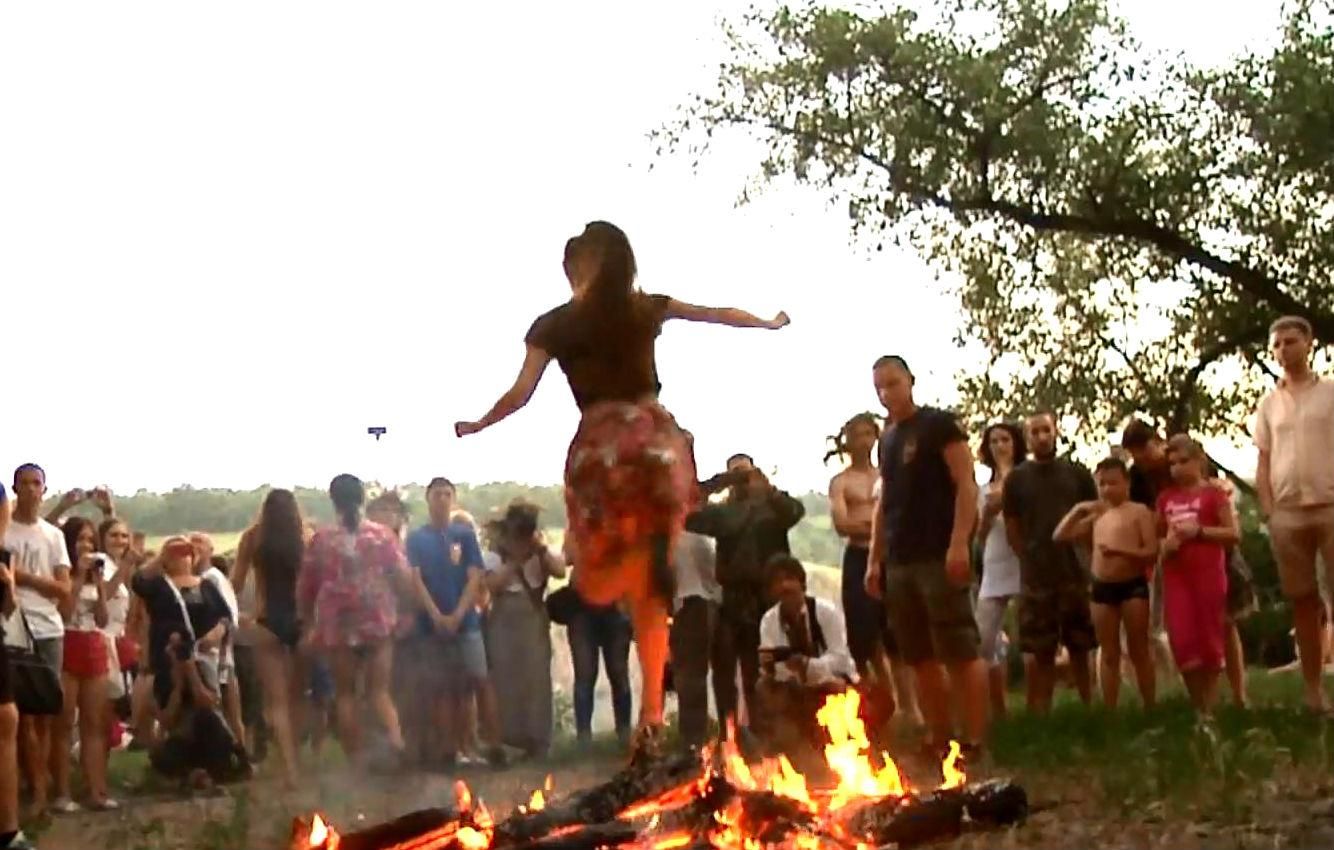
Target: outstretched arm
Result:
[729, 316]
[535, 362]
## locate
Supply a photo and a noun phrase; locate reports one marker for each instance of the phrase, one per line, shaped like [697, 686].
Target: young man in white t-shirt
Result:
[11, 837]
[41, 577]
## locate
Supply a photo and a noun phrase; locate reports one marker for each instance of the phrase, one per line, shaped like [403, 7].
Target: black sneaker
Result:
[497, 758]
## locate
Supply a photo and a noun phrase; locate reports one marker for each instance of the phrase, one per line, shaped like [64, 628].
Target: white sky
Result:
[232, 236]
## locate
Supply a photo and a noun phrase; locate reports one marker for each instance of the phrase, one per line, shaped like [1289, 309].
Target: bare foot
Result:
[1316, 702]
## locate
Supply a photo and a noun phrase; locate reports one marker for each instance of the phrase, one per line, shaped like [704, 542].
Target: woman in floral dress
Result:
[629, 474]
[346, 594]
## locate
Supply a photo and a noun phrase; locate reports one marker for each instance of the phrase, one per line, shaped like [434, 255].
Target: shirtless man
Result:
[852, 495]
[1124, 536]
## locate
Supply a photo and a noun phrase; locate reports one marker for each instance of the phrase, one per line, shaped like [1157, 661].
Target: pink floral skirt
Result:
[629, 476]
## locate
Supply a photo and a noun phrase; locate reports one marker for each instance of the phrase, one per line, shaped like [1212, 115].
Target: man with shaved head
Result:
[921, 533]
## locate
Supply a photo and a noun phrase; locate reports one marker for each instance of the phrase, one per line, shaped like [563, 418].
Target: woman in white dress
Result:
[1002, 450]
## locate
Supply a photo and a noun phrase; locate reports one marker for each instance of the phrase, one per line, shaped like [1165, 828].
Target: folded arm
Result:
[1075, 525]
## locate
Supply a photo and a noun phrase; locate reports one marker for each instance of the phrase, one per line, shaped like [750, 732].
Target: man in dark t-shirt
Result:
[920, 544]
[1054, 582]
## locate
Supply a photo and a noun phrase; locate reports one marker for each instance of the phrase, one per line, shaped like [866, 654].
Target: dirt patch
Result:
[258, 815]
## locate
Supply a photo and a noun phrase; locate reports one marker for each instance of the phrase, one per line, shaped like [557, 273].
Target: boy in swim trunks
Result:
[1124, 537]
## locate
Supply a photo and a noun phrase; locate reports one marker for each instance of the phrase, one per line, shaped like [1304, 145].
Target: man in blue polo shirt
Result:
[447, 569]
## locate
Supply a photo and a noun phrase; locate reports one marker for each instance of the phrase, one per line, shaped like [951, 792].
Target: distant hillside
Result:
[227, 512]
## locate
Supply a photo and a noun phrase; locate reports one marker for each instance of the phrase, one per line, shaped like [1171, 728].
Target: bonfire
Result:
[713, 800]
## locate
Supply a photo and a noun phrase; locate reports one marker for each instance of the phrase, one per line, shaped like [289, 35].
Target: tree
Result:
[1121, 226]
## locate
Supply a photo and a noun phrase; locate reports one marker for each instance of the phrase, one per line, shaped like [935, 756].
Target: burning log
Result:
[602, 803]
[679, 803]
[999, 802]
[909, 821]
[414, 828]
[913, 820]
[589, 837]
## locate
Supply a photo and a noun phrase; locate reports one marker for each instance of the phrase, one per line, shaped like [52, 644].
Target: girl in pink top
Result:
[1197, 525]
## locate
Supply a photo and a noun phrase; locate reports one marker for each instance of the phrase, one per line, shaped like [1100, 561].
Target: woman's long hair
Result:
[279, 545]
[348, 495]
[612, 300]
[72, 528]
[1016, 438]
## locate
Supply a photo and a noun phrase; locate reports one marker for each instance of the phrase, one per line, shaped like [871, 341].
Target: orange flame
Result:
[322, 835]
[478, 835]
[860, 777]
[953, 776]
[673, 841]
[847, 750]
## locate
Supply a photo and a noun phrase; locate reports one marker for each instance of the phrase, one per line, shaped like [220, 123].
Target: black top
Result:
[604, 359]
[1039, 494]
[1144, 488]
[917, 491]
[204, 602]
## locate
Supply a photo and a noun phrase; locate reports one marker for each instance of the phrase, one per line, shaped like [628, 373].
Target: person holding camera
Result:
[804, 658]
[86, 665]
[518, 629]
[98, 497]
[750, 528]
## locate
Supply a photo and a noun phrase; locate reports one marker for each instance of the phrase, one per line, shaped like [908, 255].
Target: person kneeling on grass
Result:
[1125, 541]
[1197, 524]
[188, 621]
[199, 747]
[803, 659]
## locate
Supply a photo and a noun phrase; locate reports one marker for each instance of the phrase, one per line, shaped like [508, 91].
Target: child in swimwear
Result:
[1197, 525]
[1125, 541]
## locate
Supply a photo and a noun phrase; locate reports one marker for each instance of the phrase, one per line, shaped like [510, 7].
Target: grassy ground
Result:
[1126, 778]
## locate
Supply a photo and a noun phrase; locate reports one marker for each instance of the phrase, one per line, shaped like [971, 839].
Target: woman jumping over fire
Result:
[629, 474]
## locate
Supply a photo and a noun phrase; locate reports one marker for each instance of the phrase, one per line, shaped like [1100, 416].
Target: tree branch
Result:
[1256, 283]
[1208, 356]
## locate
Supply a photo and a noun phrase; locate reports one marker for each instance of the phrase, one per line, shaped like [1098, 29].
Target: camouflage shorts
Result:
[1056, 615]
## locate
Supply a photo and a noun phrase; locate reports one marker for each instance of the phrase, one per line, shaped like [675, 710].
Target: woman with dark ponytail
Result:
[273, 549]
[629, 474]
[346, 598]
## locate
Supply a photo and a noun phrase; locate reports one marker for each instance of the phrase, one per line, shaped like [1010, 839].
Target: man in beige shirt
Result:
[1294, 431]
